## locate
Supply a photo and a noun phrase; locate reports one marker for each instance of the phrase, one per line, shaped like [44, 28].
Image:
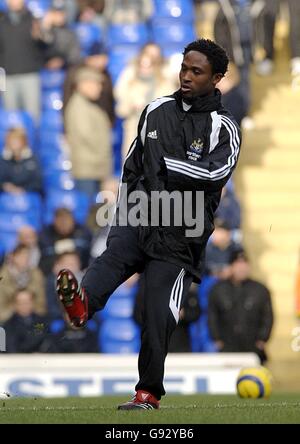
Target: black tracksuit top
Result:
[182, 150]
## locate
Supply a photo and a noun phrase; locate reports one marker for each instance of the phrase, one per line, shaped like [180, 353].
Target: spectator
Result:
[19, 169]
[229, 209]
[232, 94]
[21, 55]
[233, 31]
[265, 22]
[92, 11]
[96, 60]
[26, 331]
[219, 250]
[16, 274]
[70, 260]
[140, 82]
[67, 340]
[240, 314]
[28, 236]
[64, 235]
[88, 132]
[63, 48]
[128, 11]
[189, 312]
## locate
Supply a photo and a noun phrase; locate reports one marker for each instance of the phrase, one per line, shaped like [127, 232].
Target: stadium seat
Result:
[52, 140]
[117, 139]
[12, 119]
[55, 160]
[3, 5]
[178, 9]
[8, 240]
[118, 308]
[76, 201]
[204, 289]
[88, 35]
[52, 120]
[58, 180]
[24, 203]
[12, 222]
[119, 57]
[52, 79]
[136, 34]
[38, 8]
[52, 100]
[172, 32]
[119, 336]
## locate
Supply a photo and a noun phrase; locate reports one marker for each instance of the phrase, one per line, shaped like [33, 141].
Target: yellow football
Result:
[254, 382]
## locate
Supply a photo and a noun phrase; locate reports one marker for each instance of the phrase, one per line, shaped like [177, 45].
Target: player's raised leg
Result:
[120, 260]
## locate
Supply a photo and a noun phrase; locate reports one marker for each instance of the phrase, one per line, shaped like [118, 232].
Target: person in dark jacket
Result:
[185, 151]
[21, 55]
[233, 30]
[26, 331]
[19, 168]
[240, 314]
[189, 312]
[63, 49]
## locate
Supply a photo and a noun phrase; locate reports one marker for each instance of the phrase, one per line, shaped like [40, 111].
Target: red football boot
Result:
[141, 401]
[73, 298]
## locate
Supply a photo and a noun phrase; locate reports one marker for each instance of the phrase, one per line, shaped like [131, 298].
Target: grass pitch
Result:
[200, 409]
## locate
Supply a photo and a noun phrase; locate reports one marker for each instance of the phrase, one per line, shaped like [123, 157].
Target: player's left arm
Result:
[216, 166]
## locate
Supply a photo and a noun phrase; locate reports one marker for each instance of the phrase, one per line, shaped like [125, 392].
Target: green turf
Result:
[201, 409]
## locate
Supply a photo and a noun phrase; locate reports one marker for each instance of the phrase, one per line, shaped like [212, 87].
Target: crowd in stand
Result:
[78, 75]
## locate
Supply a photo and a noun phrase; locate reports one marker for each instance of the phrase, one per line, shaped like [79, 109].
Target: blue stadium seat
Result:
[119, 57]
[201, 341]
[88, 35]
[174, 32]
[178, 9]
[58, 180]
[38, 8]
[119, 336]
[52, 79]
[8, 240]
[118, 308]
[117, 140]
[76, 201]
[52, 100]
[136, 34]
[12, 222]
[12, 119]
[3, 5]
[52, 120]
[54, 160]
[204, 289]
[51, 140]
[21, 203]
[2, 251]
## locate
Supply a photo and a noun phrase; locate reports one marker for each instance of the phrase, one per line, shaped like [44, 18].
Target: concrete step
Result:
[267, 219]
[276, 240]
[269, 180]
[266, 201]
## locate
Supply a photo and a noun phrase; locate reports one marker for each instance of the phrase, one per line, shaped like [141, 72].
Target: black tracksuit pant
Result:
[166, 286]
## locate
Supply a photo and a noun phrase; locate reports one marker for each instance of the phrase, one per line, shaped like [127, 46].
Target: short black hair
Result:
[216, 55]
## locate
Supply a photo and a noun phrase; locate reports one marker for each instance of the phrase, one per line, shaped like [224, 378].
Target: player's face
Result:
[196, 77]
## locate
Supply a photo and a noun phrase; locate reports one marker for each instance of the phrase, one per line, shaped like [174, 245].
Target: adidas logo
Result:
[152, 134]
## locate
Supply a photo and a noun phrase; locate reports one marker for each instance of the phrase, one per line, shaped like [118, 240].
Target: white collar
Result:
[186, 106]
